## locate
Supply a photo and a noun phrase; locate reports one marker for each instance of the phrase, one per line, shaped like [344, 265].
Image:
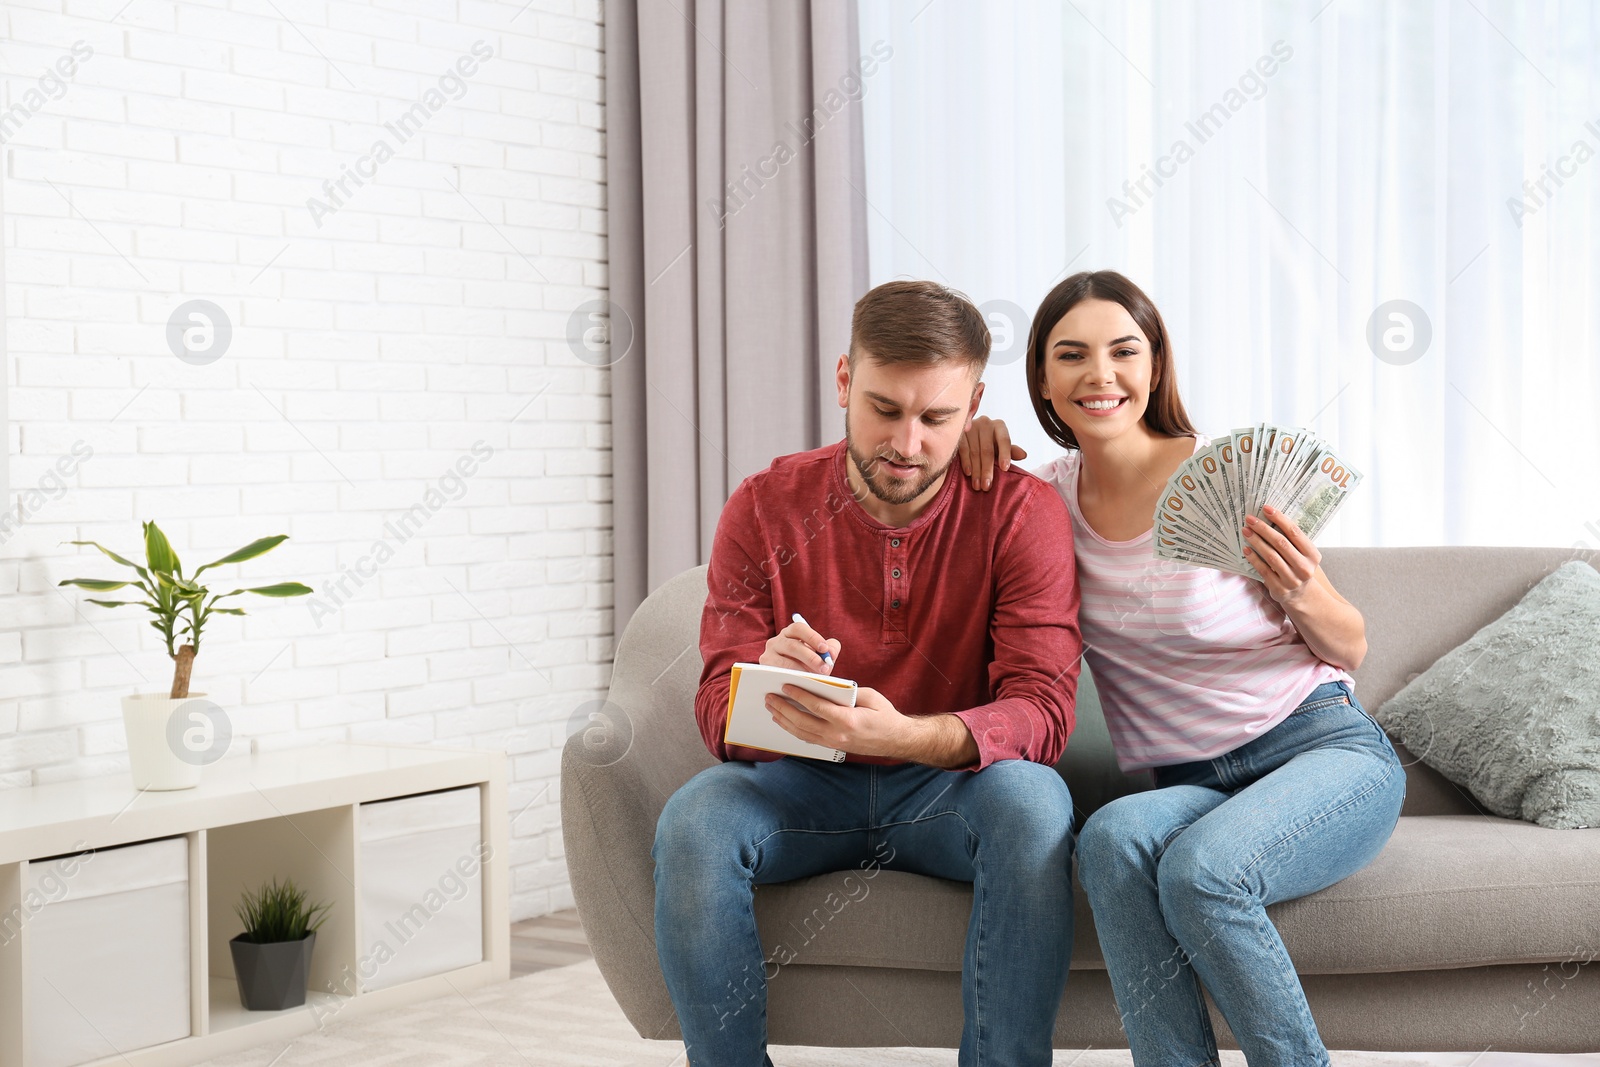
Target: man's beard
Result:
[887, 488]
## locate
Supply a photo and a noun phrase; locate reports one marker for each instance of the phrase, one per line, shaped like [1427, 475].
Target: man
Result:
[956, 611]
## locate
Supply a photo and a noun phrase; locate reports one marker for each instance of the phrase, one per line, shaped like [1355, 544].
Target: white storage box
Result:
[421, 886]
[108, 954]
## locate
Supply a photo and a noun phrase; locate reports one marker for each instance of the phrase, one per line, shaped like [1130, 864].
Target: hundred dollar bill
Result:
[1166, 538]
[1185, 509]
[1207, 472]
[1166, 548]
[1228, 461]
[1313, 503]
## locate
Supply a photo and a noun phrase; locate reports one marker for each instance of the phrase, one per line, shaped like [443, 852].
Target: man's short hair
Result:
[919, 322]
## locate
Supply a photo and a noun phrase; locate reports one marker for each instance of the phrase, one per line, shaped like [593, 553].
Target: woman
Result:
[1272, 781]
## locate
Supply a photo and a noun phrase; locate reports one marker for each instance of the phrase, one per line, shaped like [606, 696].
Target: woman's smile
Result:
[1099, 405]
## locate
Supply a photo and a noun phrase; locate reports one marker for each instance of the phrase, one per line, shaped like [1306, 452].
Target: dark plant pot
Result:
[272, 976]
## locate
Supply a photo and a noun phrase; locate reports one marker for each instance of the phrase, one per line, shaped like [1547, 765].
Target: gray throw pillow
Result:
[1513, 713]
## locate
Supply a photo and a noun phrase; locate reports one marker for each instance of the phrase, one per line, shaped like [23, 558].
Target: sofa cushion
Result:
[1089, 763]
[1511, 712]
[1447, 891]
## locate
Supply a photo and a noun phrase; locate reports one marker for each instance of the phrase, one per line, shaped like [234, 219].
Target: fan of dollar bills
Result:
[1202, 509]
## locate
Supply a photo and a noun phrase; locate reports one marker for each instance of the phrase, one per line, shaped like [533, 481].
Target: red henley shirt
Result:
[972, 609]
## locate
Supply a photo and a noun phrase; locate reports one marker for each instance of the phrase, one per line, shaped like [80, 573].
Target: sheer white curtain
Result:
[1274, 174]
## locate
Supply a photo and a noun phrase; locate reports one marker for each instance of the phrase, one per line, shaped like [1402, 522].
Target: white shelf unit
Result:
[292, 812]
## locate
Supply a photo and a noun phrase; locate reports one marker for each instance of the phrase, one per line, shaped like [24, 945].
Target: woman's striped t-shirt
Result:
[1190, 662]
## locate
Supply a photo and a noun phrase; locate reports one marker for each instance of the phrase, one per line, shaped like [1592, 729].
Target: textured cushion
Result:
[1419, 604]
[1447, 891]
[1513, 713]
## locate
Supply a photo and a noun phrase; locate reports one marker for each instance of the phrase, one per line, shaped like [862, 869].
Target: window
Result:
[1275, 176]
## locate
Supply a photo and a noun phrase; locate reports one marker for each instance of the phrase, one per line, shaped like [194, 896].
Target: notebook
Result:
[750, 723]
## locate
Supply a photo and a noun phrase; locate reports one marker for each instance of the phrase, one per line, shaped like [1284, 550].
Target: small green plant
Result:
[274, 913]
[180, 604]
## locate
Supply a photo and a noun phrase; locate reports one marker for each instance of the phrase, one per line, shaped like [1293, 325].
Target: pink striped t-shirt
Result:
[1190, 662]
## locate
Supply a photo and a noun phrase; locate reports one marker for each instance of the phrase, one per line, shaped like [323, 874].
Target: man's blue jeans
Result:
[1179, 879]
[1006, 829]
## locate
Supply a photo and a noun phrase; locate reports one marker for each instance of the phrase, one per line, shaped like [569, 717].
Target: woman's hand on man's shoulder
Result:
[985, 445]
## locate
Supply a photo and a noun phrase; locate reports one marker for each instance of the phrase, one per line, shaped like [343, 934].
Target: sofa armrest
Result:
[617, 773]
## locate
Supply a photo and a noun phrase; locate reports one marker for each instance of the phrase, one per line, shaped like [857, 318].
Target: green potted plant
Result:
[272, 957]
[168, 743]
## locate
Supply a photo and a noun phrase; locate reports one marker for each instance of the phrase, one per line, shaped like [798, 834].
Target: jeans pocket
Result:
[1346, 699]
[1323, 705]
[1383, 735]
[1369, 718]
[1354, 703]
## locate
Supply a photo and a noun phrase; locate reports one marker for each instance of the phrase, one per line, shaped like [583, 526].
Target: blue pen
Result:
[827, 657]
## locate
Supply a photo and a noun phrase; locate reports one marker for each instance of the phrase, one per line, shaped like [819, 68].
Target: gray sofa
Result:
[1468, 931]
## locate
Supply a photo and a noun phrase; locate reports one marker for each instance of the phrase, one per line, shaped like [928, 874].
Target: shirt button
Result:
[894, 603]
[895, 573]
[894, 542]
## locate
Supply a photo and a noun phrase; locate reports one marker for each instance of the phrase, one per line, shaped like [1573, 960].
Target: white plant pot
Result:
[153, 760]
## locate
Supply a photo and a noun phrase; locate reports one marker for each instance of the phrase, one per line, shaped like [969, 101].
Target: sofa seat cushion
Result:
[1447, 891]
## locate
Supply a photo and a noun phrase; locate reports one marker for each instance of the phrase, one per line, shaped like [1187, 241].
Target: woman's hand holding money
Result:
[1291, 568]
[1282, 554]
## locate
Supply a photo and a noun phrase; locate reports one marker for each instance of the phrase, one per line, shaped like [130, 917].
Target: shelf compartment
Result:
[316, 849]
[107, 952]
[14, 914]
[421, 863]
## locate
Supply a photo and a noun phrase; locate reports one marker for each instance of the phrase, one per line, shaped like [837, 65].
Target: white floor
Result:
[1498, 1059]
[566, 1017]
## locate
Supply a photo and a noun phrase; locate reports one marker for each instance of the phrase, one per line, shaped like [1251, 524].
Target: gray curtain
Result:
[737, 245]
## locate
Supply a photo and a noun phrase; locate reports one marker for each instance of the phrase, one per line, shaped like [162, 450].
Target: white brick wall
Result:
[425, 316]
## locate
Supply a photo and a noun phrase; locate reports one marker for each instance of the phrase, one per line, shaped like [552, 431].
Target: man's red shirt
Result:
[972, 609]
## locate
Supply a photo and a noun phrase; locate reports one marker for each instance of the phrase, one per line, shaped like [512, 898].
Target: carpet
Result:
[566, 1016]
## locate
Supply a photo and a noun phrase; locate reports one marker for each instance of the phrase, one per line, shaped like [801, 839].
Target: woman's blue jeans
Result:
[1006, 829]
[1179, 878]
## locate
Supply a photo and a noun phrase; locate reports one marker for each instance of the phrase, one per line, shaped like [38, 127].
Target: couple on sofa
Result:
[962, 605]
